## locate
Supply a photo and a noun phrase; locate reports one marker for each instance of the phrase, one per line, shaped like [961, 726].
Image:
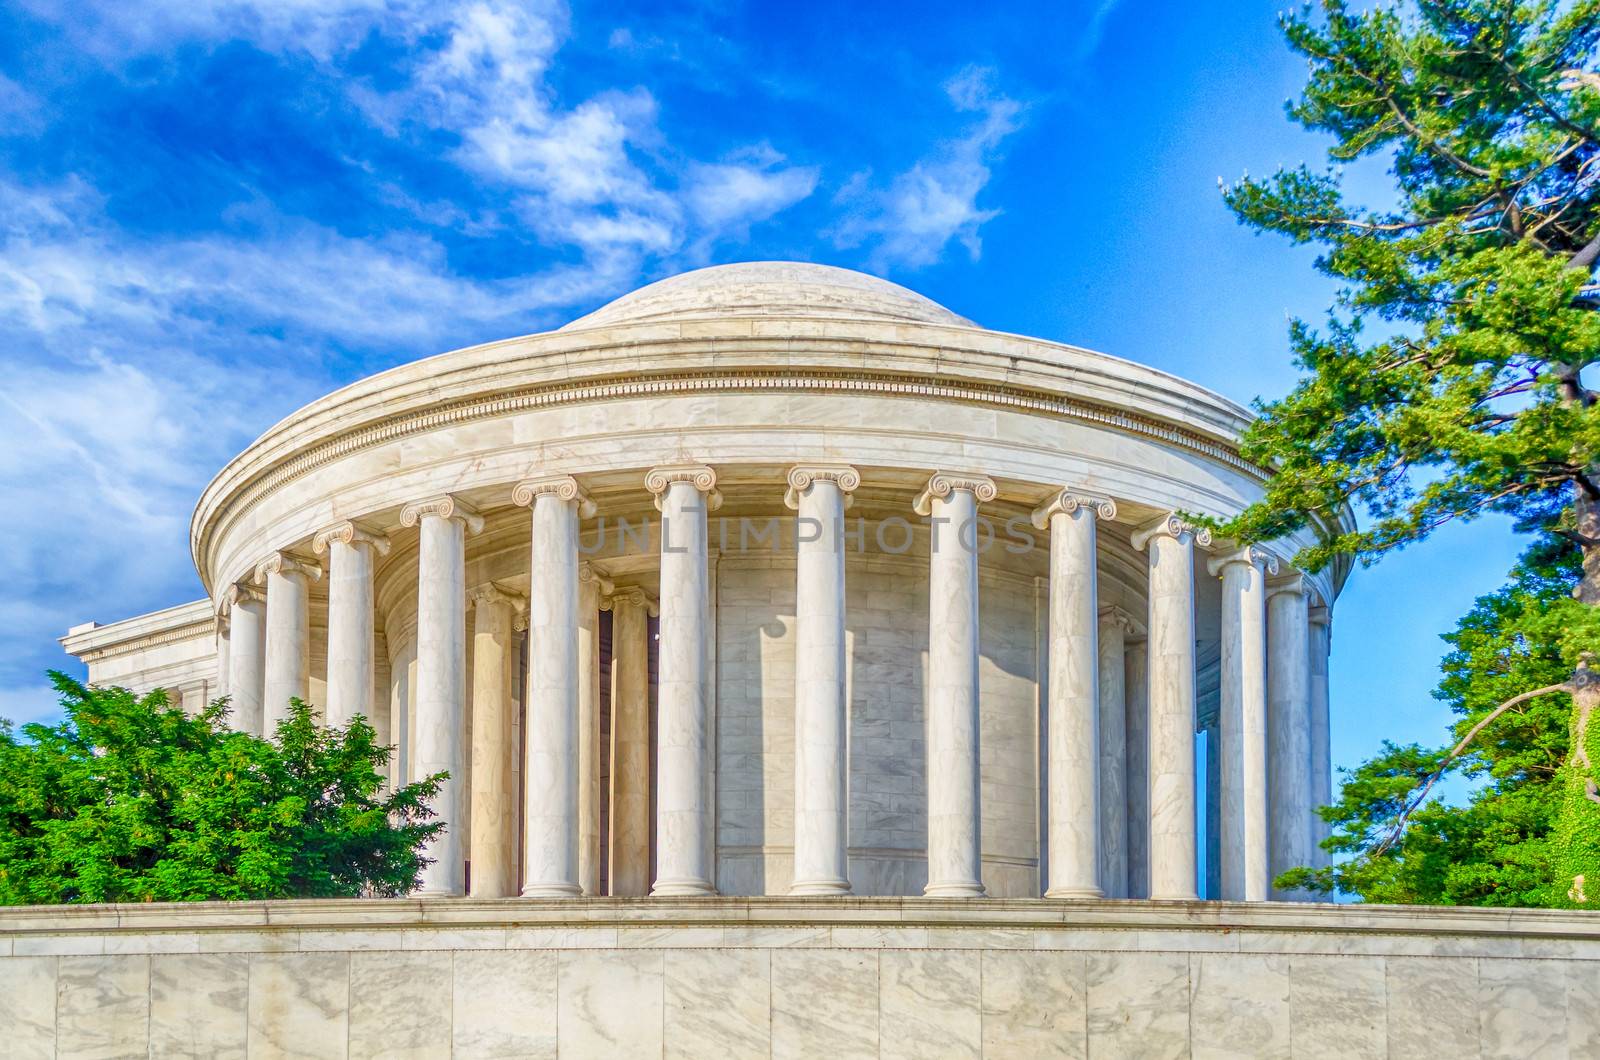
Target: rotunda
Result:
[776, 578]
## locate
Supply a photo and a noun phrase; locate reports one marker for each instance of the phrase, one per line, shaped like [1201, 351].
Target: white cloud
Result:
[735, 193]
[922, 210]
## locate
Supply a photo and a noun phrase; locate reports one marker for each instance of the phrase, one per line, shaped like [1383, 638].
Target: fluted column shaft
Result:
[821, 862]
[1289, 729]
[630, 743]
[247, 647]
[1321, 748]
[1136, 675]
[288, 650]
[352, 657]
[590, 587]
[550, 813]
[1242, 725]
[1173, 857]
[683, 813]
[494, 793]
[441, 679]
[1074, 697]
[955, 842]
[1114, 626]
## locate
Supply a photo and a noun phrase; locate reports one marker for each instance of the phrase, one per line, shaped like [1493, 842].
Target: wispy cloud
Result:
[922, 210]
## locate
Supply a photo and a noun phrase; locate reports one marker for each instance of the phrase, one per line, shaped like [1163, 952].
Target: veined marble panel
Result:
[718, 1003]
[103, 1007]
[1035, 1004]
[610, 1002]
[398, 1005]
[299, 1004]
[1138, 1004]
[504, 1004]
[930, 1004]
[199, 1004]
[1239, 1006]
[1433, 1006]
[28, 1007]
[1337, 1007]
[824, 1003]
[1522, 1007]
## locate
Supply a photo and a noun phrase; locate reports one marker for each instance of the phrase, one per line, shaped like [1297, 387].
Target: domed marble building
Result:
[828, 590]
[818, 674]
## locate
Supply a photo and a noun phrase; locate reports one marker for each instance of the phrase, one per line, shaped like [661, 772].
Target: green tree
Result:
[1468, 397]
[1497, 848]
[129, 799]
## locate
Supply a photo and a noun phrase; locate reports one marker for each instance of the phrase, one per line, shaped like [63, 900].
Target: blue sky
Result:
[213, 211]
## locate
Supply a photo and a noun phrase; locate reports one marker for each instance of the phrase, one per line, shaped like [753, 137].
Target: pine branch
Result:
[1398, 828]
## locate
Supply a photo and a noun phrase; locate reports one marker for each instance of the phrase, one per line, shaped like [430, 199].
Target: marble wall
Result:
[731, 978]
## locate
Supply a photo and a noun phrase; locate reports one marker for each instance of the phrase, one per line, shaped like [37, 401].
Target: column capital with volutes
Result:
[444, 506]
[943, 483]
[1123, 620]
[286, 563]
[1250, 555]
[564, 487]
[349, 533]
[589, 574]
[701, 477]
[801, 476]
[1071, 502]
[1292, 583]
[1174, 526]
[632, 595]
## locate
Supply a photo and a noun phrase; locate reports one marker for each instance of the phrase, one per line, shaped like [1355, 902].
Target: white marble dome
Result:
[770, 288]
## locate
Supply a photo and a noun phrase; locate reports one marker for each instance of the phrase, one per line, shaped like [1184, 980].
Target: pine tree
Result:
[1448, 381]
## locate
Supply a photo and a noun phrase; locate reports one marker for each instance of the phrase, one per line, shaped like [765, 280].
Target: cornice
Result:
[238, 487]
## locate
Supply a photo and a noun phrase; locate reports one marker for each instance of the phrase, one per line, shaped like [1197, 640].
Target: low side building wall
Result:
[796, 978]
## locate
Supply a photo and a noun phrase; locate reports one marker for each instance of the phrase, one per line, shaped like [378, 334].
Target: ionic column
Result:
[1136, 678]
[1242, 723]
[1289, 729]
[352, 662]
[1173, 857]
[247, 656]
[221, 639]
[1115, 625]
[494, 792]
[630, 741]
[591, 586]
[1074, 695]
[820, 494]
[954, 832]
[440, 698]
[288, 651]
[683, 495]
[1321, 749]
[550, 811]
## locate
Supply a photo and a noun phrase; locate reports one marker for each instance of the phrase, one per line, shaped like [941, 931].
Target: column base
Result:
[954, 890]
[552, 890]
[805, 888]
[683, 887]
[1079, 894]
[1184, 896]
[438, 892]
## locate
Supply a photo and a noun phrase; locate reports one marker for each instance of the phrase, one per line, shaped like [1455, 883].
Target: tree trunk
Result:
[1577, 836]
